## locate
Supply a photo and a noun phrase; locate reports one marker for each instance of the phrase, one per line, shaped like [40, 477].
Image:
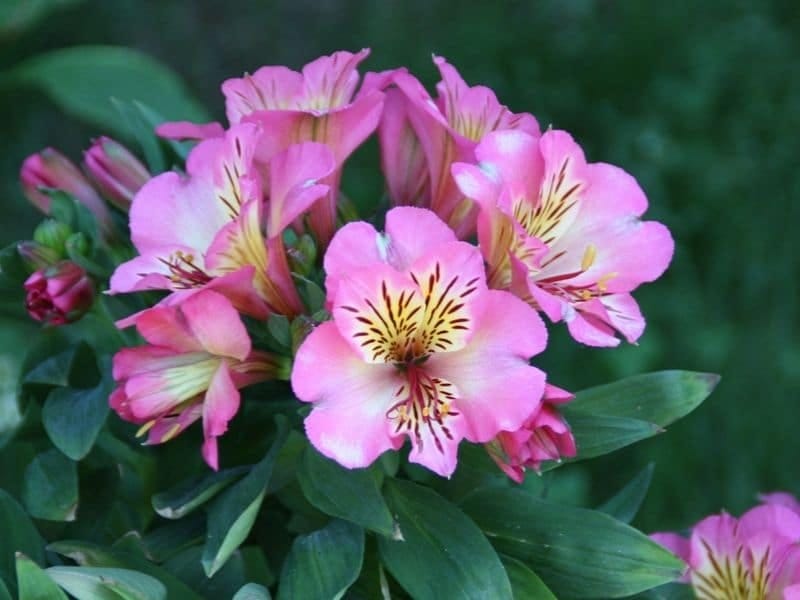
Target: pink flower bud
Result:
[117, 173]
[51, 169]
[59, 294]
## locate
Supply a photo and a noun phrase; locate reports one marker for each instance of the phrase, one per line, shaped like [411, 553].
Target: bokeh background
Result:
[699, 100]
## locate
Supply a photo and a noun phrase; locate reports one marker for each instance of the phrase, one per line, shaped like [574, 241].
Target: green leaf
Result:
[16, 16]
[324, 563]
[662, 397]
[12, 268]
[4, 593]
[596, 435]
[253, 591]
[233, 513]
[624, 505]
[56, 369]
[577, 552]
[525, 584]
[351, 494]
[187, 566]
[33, 583]
[50, 487]
[82, 79]
[96, 583]
[142, 131]
[18, 535]
[671, 591]
[67, 209]
[88, 554]
[184, 497]
[442, 553]
[73, 417]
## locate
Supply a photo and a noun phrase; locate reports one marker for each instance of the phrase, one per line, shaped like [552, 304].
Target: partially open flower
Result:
[59, 294]
[117, 173]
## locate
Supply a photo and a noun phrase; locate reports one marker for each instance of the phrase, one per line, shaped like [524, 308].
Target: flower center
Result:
[728, 578]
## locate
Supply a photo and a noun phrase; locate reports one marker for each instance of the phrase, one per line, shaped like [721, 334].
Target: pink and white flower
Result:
[116, 172]
[213, 229]
[443, 131]
[318, 104]
[755, 557]
[418, 347]
[198, 355]
[544, 436]
[563, 234]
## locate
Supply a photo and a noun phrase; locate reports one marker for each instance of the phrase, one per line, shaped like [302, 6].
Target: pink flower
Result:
[756, 557]
[50, 169]
[443, 131]
[418, 347]
[545, 435]
[198, 356]
[781, 498]
[207, 229]
[564, 235]
[59, 294]
[117, 173]
[318, 104]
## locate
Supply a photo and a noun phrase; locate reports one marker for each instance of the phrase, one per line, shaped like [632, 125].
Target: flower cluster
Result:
[430, 320]
[754, 557]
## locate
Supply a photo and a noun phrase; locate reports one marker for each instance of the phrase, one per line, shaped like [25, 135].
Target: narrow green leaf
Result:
[187, 567]
[671, 591]
[88, 554]
[232, 514]
[184, 497]
[82, 79]
[33, 583]
[18, 535]
[662, 397]
[624, 505]
[95, 583]
[442, 553]
[351, 494]
[525, 584]
[577, 552]
[253, 591]
[73, 417]
[324, 563]
[142, 132]
[50, 487]
[596, 435]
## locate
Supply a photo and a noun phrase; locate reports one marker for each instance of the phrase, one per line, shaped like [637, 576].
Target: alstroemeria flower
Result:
[198, 356]
[544, 436]
[318, 104]
[564, 235]
[213, 229]
[755, 557]
[447, 130]
[418, 347]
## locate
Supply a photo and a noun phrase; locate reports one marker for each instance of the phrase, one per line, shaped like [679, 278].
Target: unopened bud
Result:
[59, 294]
[117, 173]
[302, 255]
[36, 256]
[53, 234]
[78, 244]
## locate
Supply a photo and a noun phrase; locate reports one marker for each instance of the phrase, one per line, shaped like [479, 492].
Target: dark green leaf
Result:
[661, 398]
[577, 552]
[17, 16]
[187, 567]
[82, 79]
[54, 370]
[33, 583]
[253, 591]
[442, 553]
[142, 131]
[18, 535]
[4, 593]
[233, 513]
[324, 563]
[671, 591]
[183, 498]
[73, 417]
[525, 584]
[95, 583]
[88, 554]
[624, 505]
[351, 494]
[69, 210]
[50, 488]
[162, 543]
[596, 435]
[12, 268]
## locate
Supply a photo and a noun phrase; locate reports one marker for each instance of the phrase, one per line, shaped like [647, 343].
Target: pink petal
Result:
[498, 388]
[220, 406]
[412, 233]
[216, 325]
[440, 458]
[162, 326]
[354, 246]
[588, 328]
[348, 422]
[514, 156]
[782, 498]
[718, 534]
[294, 174]
[779, 521]
[269, 88]
[330, 81]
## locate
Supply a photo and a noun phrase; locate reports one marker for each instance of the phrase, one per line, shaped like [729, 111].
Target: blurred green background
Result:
[699, 100]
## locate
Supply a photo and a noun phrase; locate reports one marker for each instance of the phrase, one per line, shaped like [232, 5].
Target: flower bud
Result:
[78, 244]
[302, 255]
[53, 234]
[117, 173]
[59, 294]
[37, 256]
[51, 169]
